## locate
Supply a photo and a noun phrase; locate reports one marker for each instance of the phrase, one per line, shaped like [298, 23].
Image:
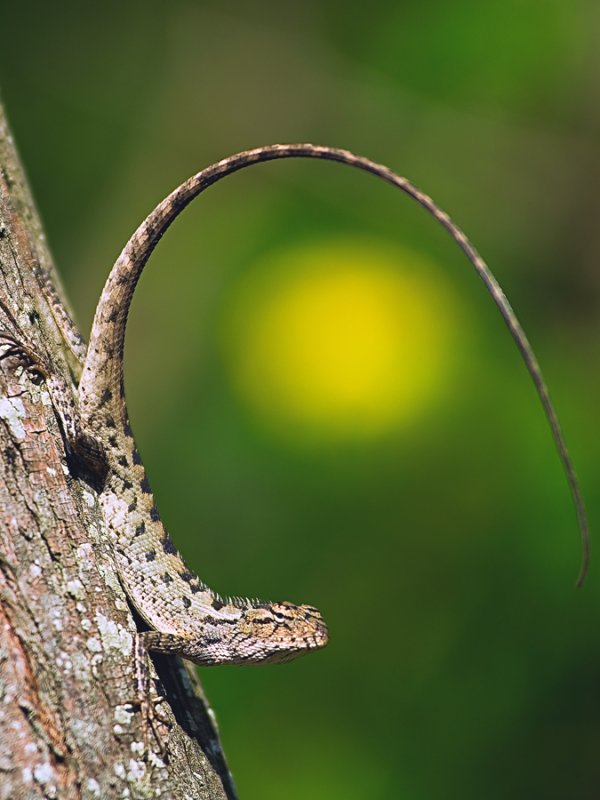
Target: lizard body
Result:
[186, 616]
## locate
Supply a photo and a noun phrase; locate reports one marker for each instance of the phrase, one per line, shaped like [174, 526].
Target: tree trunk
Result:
[69, 723]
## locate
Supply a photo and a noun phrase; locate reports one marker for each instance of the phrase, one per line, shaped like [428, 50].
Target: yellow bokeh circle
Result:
[343, 340]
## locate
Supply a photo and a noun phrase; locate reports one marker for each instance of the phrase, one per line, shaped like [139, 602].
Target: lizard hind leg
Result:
[82, 449]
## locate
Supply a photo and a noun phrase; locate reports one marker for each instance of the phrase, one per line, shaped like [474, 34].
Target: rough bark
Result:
[69, 727]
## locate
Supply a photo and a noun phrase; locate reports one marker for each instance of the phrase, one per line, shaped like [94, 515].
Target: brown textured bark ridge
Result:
[68, 728]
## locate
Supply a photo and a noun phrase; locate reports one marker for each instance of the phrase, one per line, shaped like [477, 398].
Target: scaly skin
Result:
[188, 618]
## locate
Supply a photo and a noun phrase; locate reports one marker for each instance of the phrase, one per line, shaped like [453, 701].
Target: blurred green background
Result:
[329, 406]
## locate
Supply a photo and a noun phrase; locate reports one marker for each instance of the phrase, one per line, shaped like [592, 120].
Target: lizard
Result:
[185, 616]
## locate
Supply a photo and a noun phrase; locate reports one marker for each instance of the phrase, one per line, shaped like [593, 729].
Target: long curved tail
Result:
[102, 379]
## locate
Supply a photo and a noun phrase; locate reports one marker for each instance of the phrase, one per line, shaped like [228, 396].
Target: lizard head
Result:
[278, 632]
[245, 632]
